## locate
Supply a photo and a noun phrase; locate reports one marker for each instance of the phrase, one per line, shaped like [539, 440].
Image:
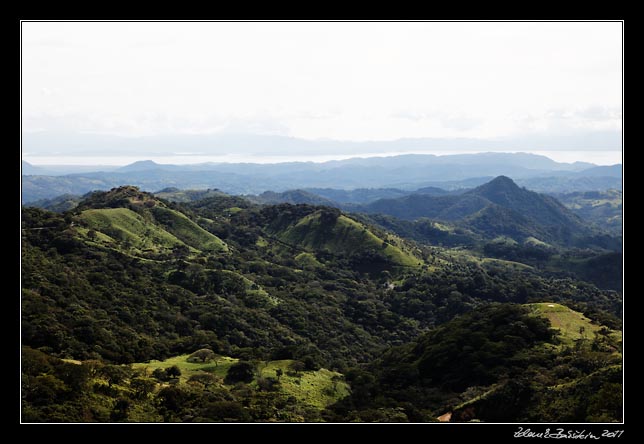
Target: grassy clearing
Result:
[536, 242]
[516, 266]
[462, 255]
[307, 261]
[316, 388]
[125, 224]
[188, 231]
[254, 289]
[345, 236]
[218, 367]
[571, 324]
[442, 227]
[99, 238]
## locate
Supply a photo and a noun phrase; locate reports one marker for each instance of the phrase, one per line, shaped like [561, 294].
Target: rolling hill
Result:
[603, 208]
[144, 223]
[363, 325]
[291, 197]
[497, 208]
[474, 360]
[331, 232]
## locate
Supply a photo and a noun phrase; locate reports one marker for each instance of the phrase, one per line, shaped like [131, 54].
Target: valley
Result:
[314, 302]
[264, 223]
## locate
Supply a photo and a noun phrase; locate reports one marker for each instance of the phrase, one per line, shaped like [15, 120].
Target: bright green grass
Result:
[307, 260]
[344, 236]
[462, 255]
[217, 367]
[315, 388]
[101, 238]
[571, 324]
[536, 242]
[504, 240]
[516, 266]
[130, 226]
[261, 242]
[188, 231]
[442, 227]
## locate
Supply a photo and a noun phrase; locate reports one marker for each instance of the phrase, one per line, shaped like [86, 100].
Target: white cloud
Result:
[351, 81]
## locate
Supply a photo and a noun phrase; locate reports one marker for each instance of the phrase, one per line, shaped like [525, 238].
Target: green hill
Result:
[603, 208]
[500, 363]
[123, 224]
[128, 278]
[188, 231]
[571, 325]
[497, 208]
[143, 222]
[335, 233]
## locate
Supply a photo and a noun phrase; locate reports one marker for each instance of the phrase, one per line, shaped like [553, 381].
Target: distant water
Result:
[596, 157]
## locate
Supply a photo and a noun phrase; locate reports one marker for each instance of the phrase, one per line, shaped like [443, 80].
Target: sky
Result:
[532, 87]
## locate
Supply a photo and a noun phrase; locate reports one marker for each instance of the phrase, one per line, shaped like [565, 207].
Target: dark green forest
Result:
[307, 313]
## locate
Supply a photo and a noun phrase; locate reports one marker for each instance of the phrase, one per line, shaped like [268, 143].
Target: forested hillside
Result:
[301, 310]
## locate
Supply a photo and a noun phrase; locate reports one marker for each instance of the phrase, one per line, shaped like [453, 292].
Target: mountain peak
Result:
[504, 181]
[140, 165]
[497, 187]
[118, 197]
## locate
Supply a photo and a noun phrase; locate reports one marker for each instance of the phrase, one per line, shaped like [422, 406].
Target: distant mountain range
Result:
[497, 208]
[404, 172]
[48, 143]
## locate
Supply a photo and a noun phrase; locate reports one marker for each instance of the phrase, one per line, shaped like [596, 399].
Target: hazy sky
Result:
[343, 81]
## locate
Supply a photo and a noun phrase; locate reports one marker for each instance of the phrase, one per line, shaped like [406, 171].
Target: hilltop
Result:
[128, 277]
[496, 208]
[142, 223]
[478, 362]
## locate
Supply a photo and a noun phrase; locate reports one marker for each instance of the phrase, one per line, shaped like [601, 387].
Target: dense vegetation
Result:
[603, 208]
[499, 363]
[125, 278]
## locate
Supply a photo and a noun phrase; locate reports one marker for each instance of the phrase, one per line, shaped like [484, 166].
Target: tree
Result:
[119, 412]
[279, 372]
[114, 374]
[173, 372]
[142, 386]
[204, 355]
[297, 367]
[206, 379]
[160, 374]
[242, 371]
[268, 384]
[180, 251]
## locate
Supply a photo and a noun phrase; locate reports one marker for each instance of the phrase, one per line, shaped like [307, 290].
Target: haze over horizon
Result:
[600, 158]
[175, 92]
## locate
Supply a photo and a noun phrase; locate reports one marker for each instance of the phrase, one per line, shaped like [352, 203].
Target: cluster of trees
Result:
[495, 364]
[54, 390]
[91, 303]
